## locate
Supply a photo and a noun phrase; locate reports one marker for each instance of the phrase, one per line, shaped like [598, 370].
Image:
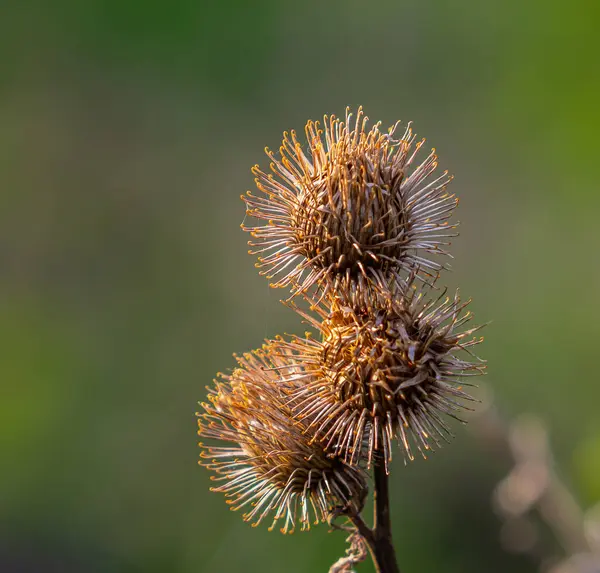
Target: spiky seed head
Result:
[384, 370]
[268, 464]
[356, 204]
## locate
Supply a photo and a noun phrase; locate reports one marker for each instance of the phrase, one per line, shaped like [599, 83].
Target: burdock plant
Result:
[357, 229]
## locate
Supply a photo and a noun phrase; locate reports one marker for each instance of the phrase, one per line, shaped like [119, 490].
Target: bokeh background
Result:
[127, 131]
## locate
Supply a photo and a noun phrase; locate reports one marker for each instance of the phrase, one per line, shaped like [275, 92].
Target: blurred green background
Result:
[128, 130]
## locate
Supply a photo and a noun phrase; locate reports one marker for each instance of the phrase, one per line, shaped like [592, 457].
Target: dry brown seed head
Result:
[268, 464]
[354, 205]
[384, 371]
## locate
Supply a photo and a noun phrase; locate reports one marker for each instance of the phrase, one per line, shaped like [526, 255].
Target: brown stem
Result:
[378, 539]
[384, 556]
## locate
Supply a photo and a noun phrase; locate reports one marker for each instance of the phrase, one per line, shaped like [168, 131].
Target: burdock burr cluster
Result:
[357, 228]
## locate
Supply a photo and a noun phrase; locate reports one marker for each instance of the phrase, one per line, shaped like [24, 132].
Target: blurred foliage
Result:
[128, 131]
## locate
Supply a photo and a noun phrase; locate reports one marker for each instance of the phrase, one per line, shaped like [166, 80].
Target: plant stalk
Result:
[379, 539]
[384, 556]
